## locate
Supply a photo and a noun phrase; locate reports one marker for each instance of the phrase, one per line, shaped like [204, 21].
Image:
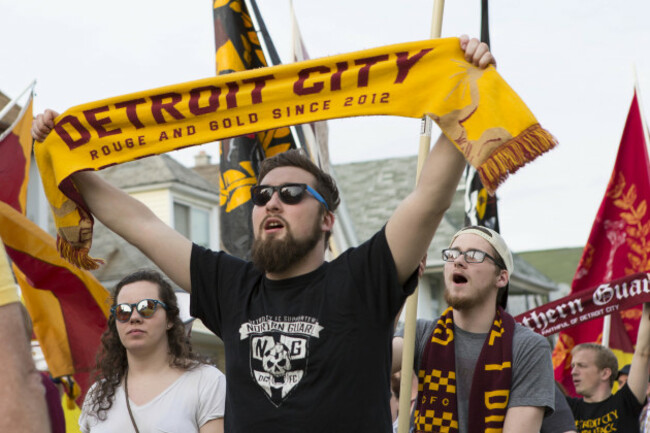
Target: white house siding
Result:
[159, 201]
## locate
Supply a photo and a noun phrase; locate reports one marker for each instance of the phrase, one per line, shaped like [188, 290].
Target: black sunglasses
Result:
[145, 308]
[289, 193]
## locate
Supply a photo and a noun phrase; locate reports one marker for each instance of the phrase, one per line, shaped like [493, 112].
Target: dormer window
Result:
[193, 223]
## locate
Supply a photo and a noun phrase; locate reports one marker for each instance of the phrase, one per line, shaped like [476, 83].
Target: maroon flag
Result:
[68, 306]
[619, 245]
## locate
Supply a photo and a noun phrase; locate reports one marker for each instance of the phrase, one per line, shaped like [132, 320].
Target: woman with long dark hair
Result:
[148, 378]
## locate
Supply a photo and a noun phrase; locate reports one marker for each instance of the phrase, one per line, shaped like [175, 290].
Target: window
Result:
[193, 223]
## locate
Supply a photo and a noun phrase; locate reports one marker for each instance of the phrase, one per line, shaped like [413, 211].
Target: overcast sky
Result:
[572, 62]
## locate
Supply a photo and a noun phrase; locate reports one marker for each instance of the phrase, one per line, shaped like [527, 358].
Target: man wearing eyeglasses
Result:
[478, 370]
[307, 341]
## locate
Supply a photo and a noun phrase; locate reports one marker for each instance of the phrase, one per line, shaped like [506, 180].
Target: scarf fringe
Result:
[517, 152]
[77, 256]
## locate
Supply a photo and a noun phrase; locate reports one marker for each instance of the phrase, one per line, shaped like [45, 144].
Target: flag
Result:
[67, 306]
[238, 49]
[15, 154]
[480, 207]
[619, 245]
[313, 136]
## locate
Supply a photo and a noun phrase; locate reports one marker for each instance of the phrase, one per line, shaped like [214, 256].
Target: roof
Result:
[373, 189]
[121, 257]
[209, 172]
[155, 170]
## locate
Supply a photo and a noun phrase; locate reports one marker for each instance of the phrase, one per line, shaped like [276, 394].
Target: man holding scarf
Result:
[475, 359]
[307, 342]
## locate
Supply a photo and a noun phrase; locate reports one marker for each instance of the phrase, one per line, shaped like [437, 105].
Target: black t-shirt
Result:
[305, 354]
[618, 413]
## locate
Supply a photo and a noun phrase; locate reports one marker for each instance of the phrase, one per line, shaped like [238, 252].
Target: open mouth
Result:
[273, 224]
[459, 279]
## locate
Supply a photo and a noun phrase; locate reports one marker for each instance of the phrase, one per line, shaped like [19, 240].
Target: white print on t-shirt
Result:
[279, 349]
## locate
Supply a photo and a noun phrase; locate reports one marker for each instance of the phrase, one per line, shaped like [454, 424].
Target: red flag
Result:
[68, 306]
[619, 245]
[15, 152]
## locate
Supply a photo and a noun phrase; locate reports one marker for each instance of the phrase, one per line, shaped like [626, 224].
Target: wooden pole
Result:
[404, 410]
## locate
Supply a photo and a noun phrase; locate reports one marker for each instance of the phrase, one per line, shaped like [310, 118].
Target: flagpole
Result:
[14, 101]
[408, 347]
[607, 326]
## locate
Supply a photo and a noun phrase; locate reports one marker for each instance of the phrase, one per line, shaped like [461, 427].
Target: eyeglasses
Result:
[471, 256]
[146, 308]
[289, 193]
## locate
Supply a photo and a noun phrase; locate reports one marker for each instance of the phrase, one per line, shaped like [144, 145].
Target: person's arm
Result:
[398, 344]
[212, 426]
[128, 217]
[523, 419]
[138, 225]
[411, 228]
[638, 378]
[23, 407]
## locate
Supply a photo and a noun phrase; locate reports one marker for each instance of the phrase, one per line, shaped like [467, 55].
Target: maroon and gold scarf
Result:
[437, 409]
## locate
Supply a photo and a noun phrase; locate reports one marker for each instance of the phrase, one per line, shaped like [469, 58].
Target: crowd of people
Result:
[309, 343]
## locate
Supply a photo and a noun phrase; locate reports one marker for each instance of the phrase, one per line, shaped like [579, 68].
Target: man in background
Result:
[594, 368]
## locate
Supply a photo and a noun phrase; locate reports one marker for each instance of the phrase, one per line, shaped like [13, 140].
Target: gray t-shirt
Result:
[532, 372]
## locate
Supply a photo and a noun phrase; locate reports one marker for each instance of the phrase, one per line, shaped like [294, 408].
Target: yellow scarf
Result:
[475, 108]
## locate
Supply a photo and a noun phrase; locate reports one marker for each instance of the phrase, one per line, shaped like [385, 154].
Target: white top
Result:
[195, 398]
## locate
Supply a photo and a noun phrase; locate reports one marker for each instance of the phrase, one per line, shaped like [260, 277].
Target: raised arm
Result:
[638, 378]
[411, 228]
[128, 217]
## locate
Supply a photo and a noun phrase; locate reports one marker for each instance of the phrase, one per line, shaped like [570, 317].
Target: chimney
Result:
[202, 159]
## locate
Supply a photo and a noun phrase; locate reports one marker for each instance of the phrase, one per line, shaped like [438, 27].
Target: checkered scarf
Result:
[437, 409]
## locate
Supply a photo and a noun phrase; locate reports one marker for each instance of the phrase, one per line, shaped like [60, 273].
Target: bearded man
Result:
[475, 359]
[307, 341]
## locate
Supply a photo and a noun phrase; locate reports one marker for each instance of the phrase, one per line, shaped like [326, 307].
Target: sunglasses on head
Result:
[289, 193]
[145, 308]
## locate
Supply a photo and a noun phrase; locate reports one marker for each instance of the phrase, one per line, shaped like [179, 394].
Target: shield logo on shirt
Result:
[279, 350]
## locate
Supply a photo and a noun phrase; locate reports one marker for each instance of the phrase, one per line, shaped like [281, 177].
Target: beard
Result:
[465, 303]
[278, 255]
